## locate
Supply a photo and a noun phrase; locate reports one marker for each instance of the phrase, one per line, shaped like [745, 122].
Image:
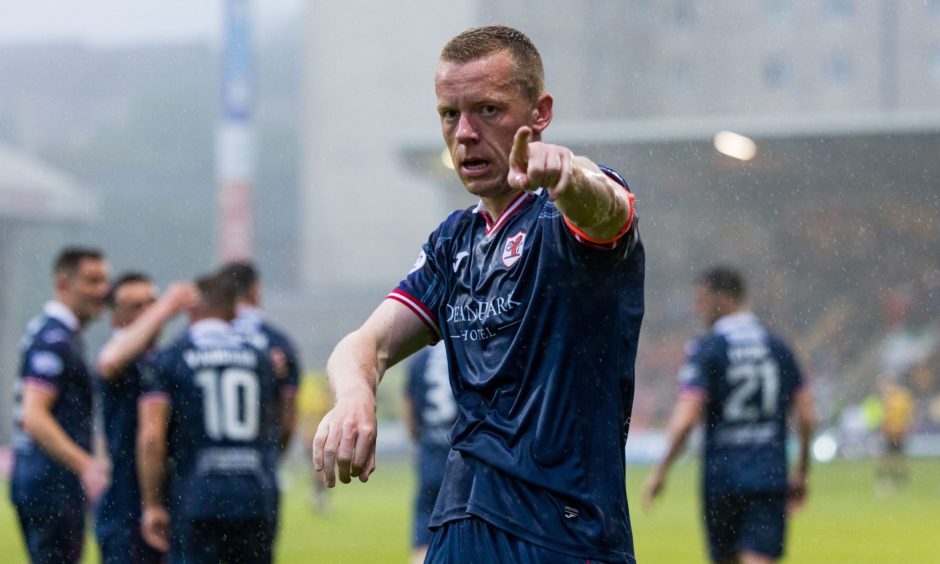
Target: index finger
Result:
[519, 155]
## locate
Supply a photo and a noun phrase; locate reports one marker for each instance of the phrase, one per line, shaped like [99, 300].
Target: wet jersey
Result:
[53, 360]
[250, 323]
[428, 388]
[541, 326]
[120, 505]
[219, 389]
[750, 378]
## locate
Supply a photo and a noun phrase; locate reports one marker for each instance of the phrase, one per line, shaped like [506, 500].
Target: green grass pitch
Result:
[844, 521]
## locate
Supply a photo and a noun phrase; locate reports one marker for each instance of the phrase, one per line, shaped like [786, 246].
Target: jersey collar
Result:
[61, 313]
[514, 206]
[734, 321]
[209, 326]
[250, 312]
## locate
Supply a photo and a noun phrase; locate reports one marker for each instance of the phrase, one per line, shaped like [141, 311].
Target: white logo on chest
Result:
[512, 249]
[460, 256]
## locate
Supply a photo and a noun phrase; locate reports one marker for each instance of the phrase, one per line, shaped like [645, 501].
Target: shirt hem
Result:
[609, 556]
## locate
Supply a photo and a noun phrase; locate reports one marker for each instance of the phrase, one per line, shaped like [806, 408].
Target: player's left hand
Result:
[345, 441]
[155, 527]
[534, 165]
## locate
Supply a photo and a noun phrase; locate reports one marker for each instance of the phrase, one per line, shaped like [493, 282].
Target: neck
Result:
[496, 205]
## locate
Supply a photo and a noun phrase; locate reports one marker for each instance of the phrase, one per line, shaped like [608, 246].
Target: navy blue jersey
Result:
[250, 323]
[541, 327]
[52, 359]
[750, 378]
[120, 505]
[428, 388]
[220, 389]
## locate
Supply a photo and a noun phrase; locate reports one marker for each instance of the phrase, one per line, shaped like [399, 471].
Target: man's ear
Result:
[60, 282]
[542, 113]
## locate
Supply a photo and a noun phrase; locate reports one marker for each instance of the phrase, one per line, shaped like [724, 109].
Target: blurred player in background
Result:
[897, 421]
[744, 381]
[250, 322]
[430, 413]
[137, 317]
[537, 293]
[54, 471]
[207, 490]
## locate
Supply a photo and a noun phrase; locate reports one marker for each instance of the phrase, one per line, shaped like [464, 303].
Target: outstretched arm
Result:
[684, 416]
[599, 207]
[130, 343]
[345, 439]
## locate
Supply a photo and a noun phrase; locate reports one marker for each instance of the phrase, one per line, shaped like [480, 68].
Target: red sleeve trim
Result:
[154, 397]
[41, 386]
[585, 238]
[415, 305]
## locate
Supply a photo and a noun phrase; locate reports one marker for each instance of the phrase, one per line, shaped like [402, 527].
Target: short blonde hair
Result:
[479, 42]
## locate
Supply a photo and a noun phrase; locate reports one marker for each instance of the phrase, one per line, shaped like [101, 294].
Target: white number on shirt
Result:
[230, 400]
[748, 380]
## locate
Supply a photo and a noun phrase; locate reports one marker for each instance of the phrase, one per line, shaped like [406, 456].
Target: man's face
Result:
[481, 106]
[130, 301]
[707, 305]
[85, 290]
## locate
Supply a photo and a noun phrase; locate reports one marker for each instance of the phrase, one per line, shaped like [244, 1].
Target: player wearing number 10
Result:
[745, 380]
[207, 406]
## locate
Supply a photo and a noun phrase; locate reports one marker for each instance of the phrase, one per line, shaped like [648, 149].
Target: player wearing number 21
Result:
[208, 406]
[744, 381]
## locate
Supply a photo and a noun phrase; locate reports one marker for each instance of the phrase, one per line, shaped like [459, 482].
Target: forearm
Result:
[806, 436]
[593, 202]
[130, 343]
[684, 417]
[42, 427]
[355, 367]
[678, 435]
[151, 461]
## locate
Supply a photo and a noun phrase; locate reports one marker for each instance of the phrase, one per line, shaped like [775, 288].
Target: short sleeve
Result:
[422, 290]
[154, 378]
[291, 381]
[46, 360]
[693, 376]
[577, 247]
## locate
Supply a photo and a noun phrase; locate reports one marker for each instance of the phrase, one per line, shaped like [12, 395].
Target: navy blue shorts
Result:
[474, 541]
[53, 538]
[739, 522]
[124, 544]
[210, 541]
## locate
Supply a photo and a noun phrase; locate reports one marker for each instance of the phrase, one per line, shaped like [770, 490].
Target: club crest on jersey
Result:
[419, 262]
[512, 249]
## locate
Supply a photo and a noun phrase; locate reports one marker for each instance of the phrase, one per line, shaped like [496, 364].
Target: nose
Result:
[466, 132]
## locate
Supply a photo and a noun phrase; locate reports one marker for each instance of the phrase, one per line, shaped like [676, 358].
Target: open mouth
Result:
[474, 166]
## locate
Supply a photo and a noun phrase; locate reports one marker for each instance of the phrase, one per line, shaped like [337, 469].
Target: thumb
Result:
[519, 158]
